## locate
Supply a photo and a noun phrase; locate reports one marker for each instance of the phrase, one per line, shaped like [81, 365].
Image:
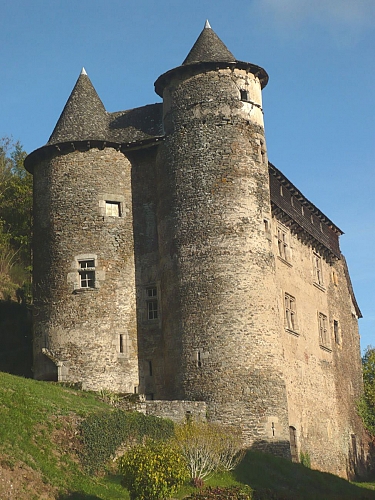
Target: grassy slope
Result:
[38, 456]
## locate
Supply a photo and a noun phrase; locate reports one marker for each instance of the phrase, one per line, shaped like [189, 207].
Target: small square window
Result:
[86, 273]
[113, 209]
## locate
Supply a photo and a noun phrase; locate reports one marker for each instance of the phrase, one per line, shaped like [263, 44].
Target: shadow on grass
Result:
[78, 496]
[275, 478]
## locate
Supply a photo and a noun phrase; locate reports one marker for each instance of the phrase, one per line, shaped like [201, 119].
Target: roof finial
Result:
[207, 24]
[83, 72]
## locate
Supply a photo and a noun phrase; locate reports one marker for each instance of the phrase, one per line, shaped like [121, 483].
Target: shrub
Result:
[227, 493]
[153, 471]
[304, 458]
[208, 447]
[102, 434]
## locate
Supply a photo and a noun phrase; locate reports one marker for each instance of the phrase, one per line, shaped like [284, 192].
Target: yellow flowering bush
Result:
[153, 471]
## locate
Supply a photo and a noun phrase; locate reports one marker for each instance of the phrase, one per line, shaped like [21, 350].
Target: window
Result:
[244, 95]
[336, 332]
[152, 302]
[290, 313]
[282, 243]
[86, 273]
[323, 331]
[318, 269]
[124, 344]
[112, 209]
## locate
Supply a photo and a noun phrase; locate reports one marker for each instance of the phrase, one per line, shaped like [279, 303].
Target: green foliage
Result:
[15, 222]
[103, 433]
[208, 448]
[220, 493]
[304, 459]
[366, 405]
[153, 470]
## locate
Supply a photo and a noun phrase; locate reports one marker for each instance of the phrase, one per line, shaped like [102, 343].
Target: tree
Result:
[15, 220]
[366, 406]
[208, 448]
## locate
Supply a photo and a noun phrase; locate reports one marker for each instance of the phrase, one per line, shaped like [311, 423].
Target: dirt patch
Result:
[20, 482]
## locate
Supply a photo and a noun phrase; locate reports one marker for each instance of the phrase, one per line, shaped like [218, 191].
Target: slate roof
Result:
[84, 118]
[84, 115]
[208, 48]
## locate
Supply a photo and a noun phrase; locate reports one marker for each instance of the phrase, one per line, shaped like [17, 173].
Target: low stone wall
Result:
[177, 411]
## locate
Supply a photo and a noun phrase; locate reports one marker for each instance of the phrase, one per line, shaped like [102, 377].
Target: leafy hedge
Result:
[102, 434]
[223, 493]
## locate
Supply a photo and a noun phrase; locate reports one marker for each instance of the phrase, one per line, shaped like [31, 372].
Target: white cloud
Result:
[342, 17]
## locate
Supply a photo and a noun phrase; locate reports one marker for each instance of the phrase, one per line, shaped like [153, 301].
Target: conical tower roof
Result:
[208, 48]
[208, 52]
[83, 117]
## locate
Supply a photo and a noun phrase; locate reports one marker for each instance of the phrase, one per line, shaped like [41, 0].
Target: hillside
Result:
[39, 442]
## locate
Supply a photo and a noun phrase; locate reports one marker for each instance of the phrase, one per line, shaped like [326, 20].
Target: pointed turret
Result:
[208, 48]
[83, 117]
[208, 52]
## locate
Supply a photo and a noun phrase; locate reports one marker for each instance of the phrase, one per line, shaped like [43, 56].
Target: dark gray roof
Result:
[84, 115]
[208, 48]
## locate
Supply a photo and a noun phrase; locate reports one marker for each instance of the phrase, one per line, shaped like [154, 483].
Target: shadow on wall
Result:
[15, 339]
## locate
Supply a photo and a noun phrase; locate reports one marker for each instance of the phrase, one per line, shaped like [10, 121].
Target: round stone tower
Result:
[218, 291]
[84, 278]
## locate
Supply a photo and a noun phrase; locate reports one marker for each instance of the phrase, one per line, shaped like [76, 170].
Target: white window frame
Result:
[86, 273]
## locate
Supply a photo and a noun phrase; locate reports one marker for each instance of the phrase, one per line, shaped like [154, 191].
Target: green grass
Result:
[38, 423]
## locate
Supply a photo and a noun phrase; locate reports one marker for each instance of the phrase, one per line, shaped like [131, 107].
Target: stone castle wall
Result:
[78, 328]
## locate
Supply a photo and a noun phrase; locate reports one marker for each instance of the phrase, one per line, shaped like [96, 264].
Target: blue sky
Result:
[319, 104]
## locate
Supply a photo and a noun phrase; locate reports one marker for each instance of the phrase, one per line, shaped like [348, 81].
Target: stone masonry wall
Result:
[217, 268]
[322, 375]
[86, 335]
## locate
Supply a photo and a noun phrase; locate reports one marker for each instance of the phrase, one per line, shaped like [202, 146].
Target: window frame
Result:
[318, 271]
[283, 243]
[290, 313]
[152, 303]
[87, 273]
[324, 333]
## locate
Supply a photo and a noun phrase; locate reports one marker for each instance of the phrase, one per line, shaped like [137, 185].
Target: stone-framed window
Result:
[290, 312]
[113, 208]
[283, 246]
[318, 270]
[324, 337]
[86, 273]
[152, 303]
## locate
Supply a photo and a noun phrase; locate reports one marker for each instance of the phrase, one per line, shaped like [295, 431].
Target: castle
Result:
[171, 259]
